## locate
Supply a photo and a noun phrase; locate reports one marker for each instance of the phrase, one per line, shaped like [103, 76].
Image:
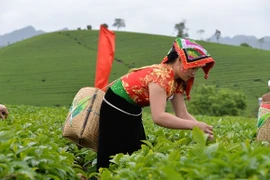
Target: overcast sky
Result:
[231, 17]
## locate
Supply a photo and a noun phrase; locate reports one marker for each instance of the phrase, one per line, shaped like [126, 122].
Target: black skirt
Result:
[118, 132]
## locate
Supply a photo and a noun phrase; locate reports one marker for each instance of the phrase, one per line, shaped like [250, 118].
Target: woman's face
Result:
[188, 73]
[184, 74]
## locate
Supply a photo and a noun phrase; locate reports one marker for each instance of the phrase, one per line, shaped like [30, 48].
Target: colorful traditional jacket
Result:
[136, 82]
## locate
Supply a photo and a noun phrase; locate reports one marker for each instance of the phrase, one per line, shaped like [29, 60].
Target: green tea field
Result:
[32, 147]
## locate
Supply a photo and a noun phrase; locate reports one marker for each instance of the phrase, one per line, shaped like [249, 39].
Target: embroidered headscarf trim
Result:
[192, 55]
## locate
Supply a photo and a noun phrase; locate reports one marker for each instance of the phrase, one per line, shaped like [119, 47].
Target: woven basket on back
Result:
[82, 121]
[263, 132]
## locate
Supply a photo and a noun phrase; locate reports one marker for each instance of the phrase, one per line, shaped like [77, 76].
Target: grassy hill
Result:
[48, 70]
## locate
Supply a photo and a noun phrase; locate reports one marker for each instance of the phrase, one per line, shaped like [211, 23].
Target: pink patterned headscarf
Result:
[192, 55]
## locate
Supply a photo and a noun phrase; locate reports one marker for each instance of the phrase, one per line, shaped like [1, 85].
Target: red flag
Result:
[106, 47]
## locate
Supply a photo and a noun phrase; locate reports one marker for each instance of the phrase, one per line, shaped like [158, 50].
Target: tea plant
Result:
[32, 147]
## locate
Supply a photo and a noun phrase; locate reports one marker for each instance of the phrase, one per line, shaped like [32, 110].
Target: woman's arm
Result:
[179, 107]
[158, 98]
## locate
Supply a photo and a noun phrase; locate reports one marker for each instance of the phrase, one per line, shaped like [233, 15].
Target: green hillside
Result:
[48, 70]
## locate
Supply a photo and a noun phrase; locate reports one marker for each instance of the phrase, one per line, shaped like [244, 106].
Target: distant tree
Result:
[218, 34]
[79, 28]
[200, 32]
[105, 25]
[89, 27]
[261, 41]
[245, 45]
[181, 29]
[118, 23]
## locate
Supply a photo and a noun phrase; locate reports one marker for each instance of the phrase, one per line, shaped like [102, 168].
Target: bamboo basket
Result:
[263, 132]
[82, 122]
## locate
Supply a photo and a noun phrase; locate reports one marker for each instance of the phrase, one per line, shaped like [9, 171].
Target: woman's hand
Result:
[207, 129]
[3, 112]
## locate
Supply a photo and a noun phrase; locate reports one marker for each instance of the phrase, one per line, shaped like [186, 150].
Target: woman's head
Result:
[266, 98]
[190, 56]
[179, 70]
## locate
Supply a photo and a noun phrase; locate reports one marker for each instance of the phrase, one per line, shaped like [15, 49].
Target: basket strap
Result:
[106, 87]
[130, 114]
[89, 110]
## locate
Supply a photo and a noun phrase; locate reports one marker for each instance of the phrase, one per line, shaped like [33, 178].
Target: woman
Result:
[263, 123]
[3, 112]
[120, 127]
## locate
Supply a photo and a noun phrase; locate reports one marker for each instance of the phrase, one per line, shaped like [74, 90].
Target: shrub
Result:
[208, 100]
